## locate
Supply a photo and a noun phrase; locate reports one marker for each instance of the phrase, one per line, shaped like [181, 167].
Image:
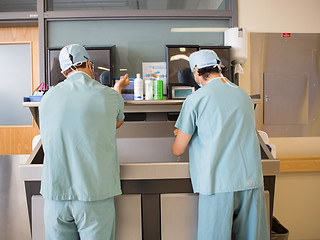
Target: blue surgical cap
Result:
[203, 58]
[72, 55]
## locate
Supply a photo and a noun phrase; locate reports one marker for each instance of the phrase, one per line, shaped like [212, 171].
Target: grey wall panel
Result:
[286, 72]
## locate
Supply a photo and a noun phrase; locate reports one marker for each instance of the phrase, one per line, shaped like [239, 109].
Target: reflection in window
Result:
[137, 4]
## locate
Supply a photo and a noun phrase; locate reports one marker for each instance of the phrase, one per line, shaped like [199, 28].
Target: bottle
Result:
[148, 87]
[158, 89]
[138, 88]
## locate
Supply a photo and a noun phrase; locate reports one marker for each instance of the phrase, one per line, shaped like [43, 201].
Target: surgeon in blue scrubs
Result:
[217, 123]
[78, 121]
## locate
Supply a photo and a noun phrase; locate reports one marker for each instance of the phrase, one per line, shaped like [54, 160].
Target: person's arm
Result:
[180, 143]
[119, 124]
[123, 82]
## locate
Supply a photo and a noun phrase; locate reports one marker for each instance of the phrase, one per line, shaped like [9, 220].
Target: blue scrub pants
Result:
[74, 220]
[241, 215]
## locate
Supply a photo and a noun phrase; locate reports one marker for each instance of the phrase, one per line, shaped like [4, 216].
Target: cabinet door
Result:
[128, 217]
[179, 216]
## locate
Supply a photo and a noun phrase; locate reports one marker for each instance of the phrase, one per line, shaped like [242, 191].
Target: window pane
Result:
[15, 81]
[18, 5]
[137, 41]
[137, 4]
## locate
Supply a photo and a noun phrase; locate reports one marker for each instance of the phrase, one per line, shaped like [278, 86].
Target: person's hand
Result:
[175, 132]
[123, 82]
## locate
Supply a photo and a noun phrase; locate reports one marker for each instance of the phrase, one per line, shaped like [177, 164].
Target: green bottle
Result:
[158, 89]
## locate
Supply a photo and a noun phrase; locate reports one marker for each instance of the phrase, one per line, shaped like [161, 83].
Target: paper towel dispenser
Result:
[237, 38]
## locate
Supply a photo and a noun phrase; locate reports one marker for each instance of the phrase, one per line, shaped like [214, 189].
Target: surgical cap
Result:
[72, 55]
[203, 58]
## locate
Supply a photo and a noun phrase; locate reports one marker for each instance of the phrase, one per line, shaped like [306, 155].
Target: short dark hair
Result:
[70, 69]
[206, 71]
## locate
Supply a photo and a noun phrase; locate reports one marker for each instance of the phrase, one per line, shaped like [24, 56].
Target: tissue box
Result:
[36, 98]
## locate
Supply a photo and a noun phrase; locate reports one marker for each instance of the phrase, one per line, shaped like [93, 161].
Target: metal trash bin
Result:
[279, 232]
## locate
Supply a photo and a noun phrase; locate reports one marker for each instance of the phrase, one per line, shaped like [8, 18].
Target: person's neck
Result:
[211, 76]
[85, 70]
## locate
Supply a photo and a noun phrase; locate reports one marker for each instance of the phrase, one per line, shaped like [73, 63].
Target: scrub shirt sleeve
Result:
[120, 115]
[187, 118]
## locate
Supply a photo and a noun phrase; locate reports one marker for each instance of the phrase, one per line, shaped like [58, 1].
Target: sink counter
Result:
[147, 171]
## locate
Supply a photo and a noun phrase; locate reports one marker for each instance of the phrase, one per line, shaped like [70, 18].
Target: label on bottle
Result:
[138, 89]
[158, 90]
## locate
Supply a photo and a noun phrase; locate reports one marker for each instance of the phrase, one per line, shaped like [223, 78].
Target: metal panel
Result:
[14, 222]
[128, 217]
[38, 232]
[42, 40]
[18, 16]
[179, 216]
[286, 71]
[138, 14]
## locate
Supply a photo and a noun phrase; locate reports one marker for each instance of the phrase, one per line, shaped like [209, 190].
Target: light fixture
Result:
[103, 68]
[179, 57]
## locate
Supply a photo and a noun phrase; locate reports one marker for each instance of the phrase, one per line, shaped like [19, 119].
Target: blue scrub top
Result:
[224, 151]
[78, 131]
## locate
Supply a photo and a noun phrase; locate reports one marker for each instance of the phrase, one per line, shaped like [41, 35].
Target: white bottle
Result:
[138, 88]
[148, 89]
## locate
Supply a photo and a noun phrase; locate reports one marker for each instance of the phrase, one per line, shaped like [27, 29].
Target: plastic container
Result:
[138, 88]
[158, 89]
[148, 87]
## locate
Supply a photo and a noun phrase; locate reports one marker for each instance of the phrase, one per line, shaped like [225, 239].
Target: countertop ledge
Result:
[146, 171]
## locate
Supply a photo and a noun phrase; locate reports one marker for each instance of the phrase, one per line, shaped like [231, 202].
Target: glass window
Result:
[137, 41]
[137, 4]
[18, 5]
[15, 81]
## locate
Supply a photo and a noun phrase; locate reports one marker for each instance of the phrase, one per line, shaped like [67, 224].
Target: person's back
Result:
[81, 114]
[217, 124]
[226, 129]
[78, 122]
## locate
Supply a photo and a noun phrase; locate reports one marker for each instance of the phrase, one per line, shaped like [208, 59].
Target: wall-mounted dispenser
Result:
[237, 38]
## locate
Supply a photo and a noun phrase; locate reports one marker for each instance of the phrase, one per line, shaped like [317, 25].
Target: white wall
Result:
[297, 200]
[280, 15]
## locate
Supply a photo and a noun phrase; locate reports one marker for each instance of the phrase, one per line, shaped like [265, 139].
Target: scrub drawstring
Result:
[225, 80]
